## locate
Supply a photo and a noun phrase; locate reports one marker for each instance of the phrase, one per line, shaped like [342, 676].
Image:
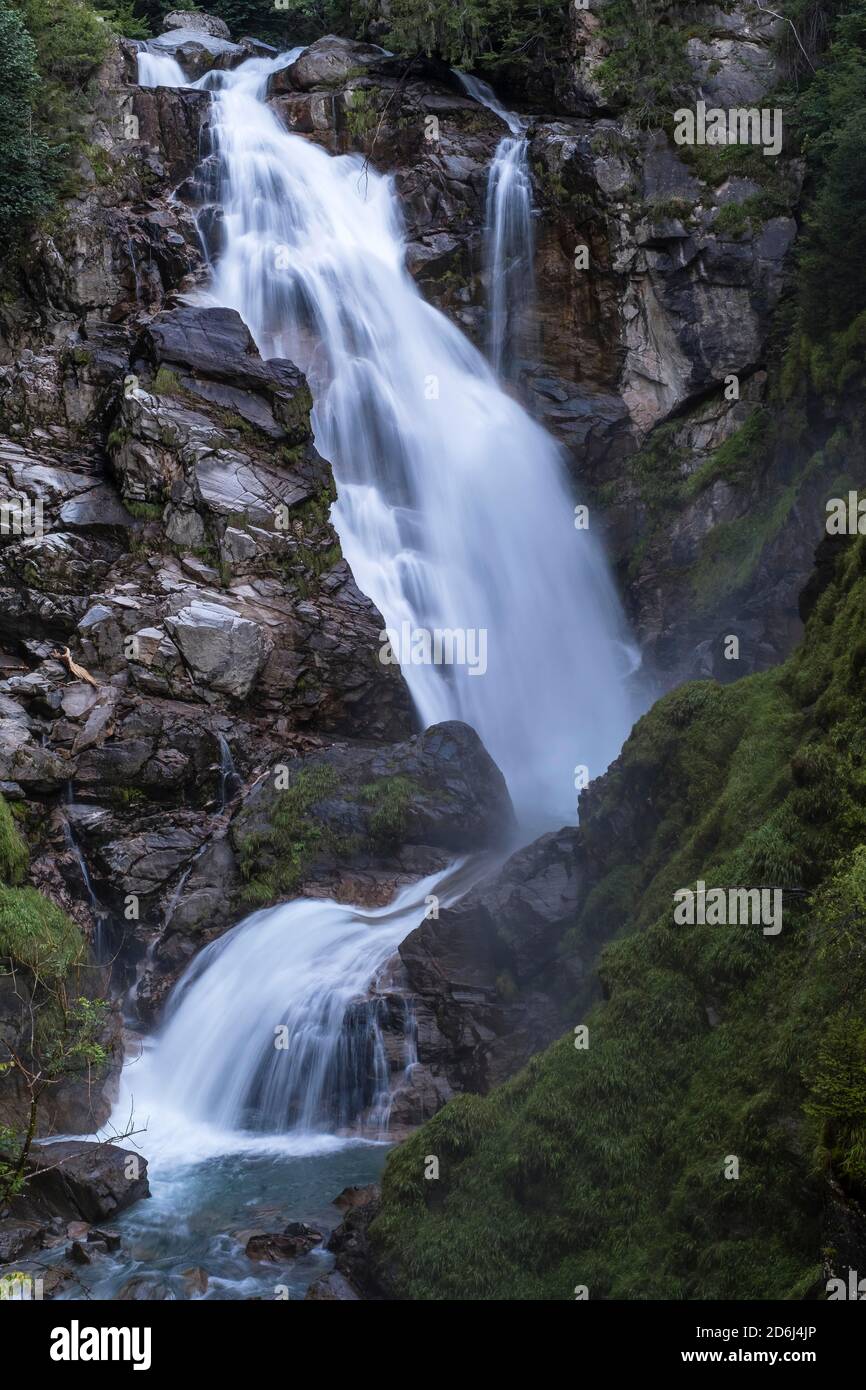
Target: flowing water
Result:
[509, 242]
[456, 518]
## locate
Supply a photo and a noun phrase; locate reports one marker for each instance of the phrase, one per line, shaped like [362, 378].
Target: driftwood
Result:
[63, 654]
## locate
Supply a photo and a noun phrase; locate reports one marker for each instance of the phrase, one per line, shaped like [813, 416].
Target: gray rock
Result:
[223, 651]
[197, 21]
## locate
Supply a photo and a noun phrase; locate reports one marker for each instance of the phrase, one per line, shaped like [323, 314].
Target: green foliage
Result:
[36, 934]
[166, 383]
[736, 219]
[390, 798]
[647, 69]
[13, 851]
[25, 183]
[484, 35]
[273, 862]
[828, 116]
[605, 1166]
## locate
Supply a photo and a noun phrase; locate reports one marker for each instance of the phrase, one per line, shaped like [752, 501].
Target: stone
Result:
[296, 1239]
[79, 1179]
[223, 651]
[197, 21]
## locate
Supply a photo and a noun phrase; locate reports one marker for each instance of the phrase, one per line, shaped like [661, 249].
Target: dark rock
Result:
[77, 1178]
[18, 1238]
[296, 1239]
[352, 1197]
[333, 1287]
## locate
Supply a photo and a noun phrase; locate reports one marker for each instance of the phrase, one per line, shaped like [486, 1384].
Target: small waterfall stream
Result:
[509, 247]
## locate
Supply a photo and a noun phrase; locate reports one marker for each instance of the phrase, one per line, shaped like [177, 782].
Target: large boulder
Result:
[82, 1181]
[223, 651]
[197, 21]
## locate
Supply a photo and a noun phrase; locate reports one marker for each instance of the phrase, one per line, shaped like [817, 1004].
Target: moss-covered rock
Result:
[610, 1165]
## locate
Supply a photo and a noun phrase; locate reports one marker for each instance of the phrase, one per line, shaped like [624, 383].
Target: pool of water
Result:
[187, 1240]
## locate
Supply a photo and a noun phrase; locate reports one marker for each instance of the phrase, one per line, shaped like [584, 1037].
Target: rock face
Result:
[350, 821]
[487, 982]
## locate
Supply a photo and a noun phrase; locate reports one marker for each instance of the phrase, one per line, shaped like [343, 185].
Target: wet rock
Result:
[329, 62]
[486, 979]
[333, 1287]
[195, 1281]
[79, 1179]
[18, 1238]
[146, 1288]
[296, 1239]
[352, 1197]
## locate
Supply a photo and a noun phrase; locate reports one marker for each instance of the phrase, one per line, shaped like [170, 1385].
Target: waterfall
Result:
[456, 518]
[509, 257]
[453, 507]
[160, 70]
[230, 782]
[273, 1028]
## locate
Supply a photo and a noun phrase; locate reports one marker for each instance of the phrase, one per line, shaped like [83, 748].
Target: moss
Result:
[144, 511]
[737, 219]
[13, 851]
[735, 459]
[362, 111]
[36, 934]
[166, 382]
[273, 862]
[606, 1166]
[389, 798]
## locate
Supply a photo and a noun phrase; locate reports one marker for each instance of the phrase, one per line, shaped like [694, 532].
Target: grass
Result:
[36, 934]
[606, 1167]
[14, 857]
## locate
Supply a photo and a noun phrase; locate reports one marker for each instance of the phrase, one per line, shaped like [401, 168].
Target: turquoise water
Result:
[200, 1216]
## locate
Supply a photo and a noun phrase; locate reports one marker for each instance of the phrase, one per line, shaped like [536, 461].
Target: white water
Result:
[509, 251]
[160, 70]
[453, 513]
[453, 509]
[216, 1080]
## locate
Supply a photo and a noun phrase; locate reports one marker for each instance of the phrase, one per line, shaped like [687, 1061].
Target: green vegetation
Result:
[737, 219]
[390, 798]
[145, 511]
[25, 182]
[166, 383]
[273, 862]
[60, 1028]
[13, 851]
[484, 35]
[605, 1167]
[647, 69]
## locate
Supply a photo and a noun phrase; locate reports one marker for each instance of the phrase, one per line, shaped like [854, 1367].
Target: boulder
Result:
[329, 62]
[197, 21]
[333, 1287]
[81, 1180]
[297, 1239]
[223, 651]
